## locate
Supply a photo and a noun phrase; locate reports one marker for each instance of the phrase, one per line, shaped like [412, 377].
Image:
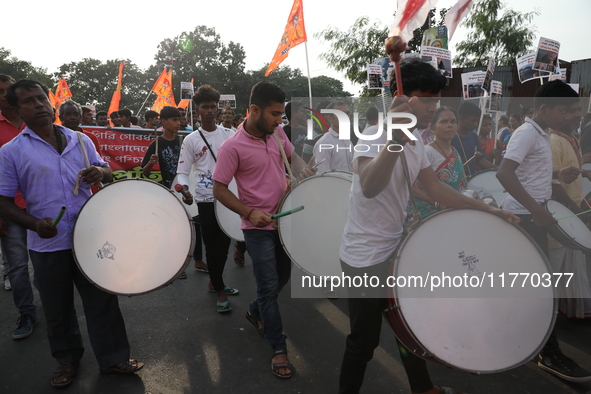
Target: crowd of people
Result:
[537, 156]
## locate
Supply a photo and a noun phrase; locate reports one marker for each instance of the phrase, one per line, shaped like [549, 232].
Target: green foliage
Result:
[20, 69]
[504, 36]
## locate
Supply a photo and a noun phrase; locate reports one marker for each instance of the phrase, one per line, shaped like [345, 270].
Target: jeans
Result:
[56, 273]
[14, 248]
[365, 315]
[216, 244]
[540, 236]
[272, 268]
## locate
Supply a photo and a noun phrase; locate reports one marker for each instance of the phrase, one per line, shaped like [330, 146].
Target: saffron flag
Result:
[163, 87]
[159, 104]
[53, 100]
[294, 34]
[455, 15]
[114, 106]
[62, 91]
[411, 15]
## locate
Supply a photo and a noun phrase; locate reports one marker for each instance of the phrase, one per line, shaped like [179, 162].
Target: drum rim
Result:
[183, 267]
[560, 233]
[329, 174]
[392, 297]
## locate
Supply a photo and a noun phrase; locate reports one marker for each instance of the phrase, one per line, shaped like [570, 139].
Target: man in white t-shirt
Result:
[332, 153]
[200, 148]
[377, 211]
[526, 173]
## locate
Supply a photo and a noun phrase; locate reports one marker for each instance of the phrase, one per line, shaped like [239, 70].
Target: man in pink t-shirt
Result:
[252, 156]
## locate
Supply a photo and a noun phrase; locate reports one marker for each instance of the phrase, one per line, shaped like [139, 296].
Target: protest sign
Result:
[490, 70]
[435, 37]
[496, 93]
[526, 71]
[438, 57]
[227, 99]
[374, 76]
[472, 84]
[186, 90]
[546, 55]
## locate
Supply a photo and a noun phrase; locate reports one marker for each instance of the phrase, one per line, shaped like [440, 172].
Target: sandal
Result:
[238, 257]
[229, 291]
[199, 267]
[223, 307]
[124, 367]
[255, 323]
[64, 374]
[182, 276]
[275, 367]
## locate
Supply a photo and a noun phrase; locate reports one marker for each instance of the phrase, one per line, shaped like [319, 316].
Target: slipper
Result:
[255, 323]
[201, 269]
[229, 291]
[124, 367]
[64, 371]
[182, 276]
[277, 366]
[225, 307]
[238, 257]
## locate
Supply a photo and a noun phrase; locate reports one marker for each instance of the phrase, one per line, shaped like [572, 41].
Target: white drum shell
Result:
[133, 237]
[228, 220]
[486, 181]
[481, 335]
[312, 237]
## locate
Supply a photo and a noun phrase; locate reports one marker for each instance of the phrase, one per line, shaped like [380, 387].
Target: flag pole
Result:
[308, 65]
[142, 107]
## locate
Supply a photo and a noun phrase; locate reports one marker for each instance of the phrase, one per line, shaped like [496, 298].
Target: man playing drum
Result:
[253, 157]
[44, 161]
[377, 211]
[201, 148]
[526, 173]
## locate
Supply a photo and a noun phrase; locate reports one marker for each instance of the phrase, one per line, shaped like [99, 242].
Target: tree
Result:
[505, 37]
[363, 43]
[21, 69]
[203, 56]
[93, 82]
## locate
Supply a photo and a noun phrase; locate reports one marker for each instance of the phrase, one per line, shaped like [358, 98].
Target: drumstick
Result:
[394, 47]
[156, 139]
[572, 216]
[179, 188]
[59, 216]
[279, 215]
[472, 158]
[317, 164]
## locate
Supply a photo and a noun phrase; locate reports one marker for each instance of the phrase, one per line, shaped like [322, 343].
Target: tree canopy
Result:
[495, 31]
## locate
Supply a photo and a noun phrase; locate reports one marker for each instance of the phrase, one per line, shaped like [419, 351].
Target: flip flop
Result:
[225, 307]
[229, 291]
[124, 367]
[255, 323]
[66, 371]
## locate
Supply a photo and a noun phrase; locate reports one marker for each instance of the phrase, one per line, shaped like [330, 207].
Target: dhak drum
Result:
[570, 231]
[486, 181]
[132, 237]
[312, 237]
[191, 209]
[228, 220]
[485, 329]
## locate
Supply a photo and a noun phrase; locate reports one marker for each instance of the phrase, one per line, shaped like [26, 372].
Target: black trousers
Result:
[365, 315]
[56, 274]
[540, 235]
[216, 244]
[198, 250]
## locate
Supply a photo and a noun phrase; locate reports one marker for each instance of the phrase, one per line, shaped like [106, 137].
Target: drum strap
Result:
[292, 180]
[416, 217]
[207, 144]
[85, 154]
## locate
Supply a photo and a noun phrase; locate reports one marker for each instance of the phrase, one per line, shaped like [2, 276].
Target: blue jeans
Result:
[14, 247]
[272, 268]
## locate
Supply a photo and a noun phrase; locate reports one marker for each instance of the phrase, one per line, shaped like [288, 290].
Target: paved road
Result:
[189, 348]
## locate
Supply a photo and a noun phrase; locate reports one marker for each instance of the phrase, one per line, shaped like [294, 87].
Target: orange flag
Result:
[294, 34]
[53, 100]
[163, 87]
[114, 106]
[62, 91]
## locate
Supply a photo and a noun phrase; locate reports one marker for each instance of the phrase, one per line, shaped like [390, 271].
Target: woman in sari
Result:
[444, 159]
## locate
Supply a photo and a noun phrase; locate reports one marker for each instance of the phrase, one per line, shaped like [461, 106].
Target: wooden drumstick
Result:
[156, 139]
[468, 162]
[394, 47]
[179, 188]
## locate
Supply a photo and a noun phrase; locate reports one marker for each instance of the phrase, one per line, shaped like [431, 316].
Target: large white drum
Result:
[486, 181]
[570, 231]
[312, 237]
[229, 220]
[132, 237]
[486, 329]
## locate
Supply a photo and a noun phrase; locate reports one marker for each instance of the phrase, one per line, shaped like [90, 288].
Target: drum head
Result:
[312, 237]
[486, 181]
[229, 220]
[570, 225]
[191, 209]
[481, 335]
[132, 237]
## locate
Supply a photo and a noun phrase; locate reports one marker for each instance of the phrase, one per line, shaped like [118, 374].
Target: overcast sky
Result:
[49, 34]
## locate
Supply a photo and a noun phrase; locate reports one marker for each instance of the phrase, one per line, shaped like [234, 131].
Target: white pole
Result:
[308, 65]
[142, 107]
